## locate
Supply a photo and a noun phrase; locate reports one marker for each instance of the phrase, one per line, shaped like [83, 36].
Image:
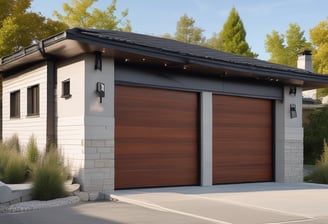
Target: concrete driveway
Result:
[239, 203]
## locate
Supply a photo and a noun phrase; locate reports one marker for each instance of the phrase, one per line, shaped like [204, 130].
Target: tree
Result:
[284, 49]
[232, 37]
[20, 27]
[319, 38]
[77, 14]
[187, 32]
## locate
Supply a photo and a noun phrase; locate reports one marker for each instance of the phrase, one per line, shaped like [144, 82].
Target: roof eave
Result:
[35, 53]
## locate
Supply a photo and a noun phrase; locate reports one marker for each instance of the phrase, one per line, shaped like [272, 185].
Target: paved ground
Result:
[268, 203]
[242, 203]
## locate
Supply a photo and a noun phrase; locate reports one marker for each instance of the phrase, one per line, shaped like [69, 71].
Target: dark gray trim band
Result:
[188, 82]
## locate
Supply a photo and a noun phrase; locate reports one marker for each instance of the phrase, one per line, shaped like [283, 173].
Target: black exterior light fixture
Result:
[292, 91]
[98, 60]
[100, 90]
[293, 113]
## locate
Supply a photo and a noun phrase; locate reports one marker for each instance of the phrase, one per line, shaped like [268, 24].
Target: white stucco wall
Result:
[25, 126]
[70, 113]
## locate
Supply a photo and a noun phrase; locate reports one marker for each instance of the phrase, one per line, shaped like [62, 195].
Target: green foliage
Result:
[232, 37]
[320, 172]
[15, 170]
[48, 172]
[50, 175]
[48, 182]
[314, 134]
[319, 37]
[187, 32]
[19, 27]
[78, 14]
[284, 48]
[4, 157]
[12, 144]
[32, 151]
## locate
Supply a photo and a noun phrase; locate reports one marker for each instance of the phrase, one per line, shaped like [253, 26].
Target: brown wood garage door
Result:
[242, 139]
[156, 137]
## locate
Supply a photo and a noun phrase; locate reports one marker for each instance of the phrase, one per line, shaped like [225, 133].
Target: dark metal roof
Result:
[77, 41]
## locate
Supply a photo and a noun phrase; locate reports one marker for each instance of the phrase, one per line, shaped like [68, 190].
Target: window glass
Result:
[33, 100]
[66, 89]
[15, 104]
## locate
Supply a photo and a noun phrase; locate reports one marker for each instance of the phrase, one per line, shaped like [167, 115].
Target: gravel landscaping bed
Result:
[35, 205]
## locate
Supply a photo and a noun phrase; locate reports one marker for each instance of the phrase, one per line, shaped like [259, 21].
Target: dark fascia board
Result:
[29, 55]
[296, 76]
[76, 34]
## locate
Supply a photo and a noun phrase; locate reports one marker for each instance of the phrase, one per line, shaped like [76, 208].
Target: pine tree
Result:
[232, 37]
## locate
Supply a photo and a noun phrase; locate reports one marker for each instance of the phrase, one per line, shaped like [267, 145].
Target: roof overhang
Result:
[75, 42]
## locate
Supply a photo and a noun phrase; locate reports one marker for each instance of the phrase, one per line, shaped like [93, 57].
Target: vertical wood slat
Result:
[242, 139]
[156, 137]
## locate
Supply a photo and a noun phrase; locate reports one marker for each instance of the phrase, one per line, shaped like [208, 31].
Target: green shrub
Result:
[48, 183]
[320, 172]
[49, 177]
[319, 175]
[4, 156]
[12, 144]
[32, 152]
[15, 170]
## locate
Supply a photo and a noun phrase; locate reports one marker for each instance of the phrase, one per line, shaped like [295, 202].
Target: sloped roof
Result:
[164, 49]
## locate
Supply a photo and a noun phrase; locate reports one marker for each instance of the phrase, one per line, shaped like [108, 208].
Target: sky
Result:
[260, 17]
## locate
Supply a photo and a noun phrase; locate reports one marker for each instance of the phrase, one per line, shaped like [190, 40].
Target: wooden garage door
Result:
[242, 139]
[156, 137]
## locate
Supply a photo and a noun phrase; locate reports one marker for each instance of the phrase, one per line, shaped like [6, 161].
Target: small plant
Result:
[32, 151]
[15, 170]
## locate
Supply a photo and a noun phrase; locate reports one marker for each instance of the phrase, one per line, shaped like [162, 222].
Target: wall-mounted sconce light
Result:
[98, 61]
[292, 91]
[100, 90]
[293, 113]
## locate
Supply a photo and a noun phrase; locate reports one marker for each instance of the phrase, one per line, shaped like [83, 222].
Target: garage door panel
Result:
[164, 132]
[242, 139]
[156, 137]
[159, 176]
[253, 173]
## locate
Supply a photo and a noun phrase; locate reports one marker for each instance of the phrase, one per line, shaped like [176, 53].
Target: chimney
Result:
[305, 61]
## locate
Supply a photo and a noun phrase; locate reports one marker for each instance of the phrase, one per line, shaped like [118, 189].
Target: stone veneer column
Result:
[97, 174]
[289, 138]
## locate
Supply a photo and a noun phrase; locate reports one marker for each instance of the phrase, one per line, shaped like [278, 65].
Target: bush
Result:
[12, 144]
[15, 170]
[320, 172]
[32, 151]
[48, 183]
[48, 172]
[4, 157]
[314, 134]
[49, 177]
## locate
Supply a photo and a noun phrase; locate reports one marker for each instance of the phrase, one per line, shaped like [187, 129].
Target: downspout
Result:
[51, 121]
